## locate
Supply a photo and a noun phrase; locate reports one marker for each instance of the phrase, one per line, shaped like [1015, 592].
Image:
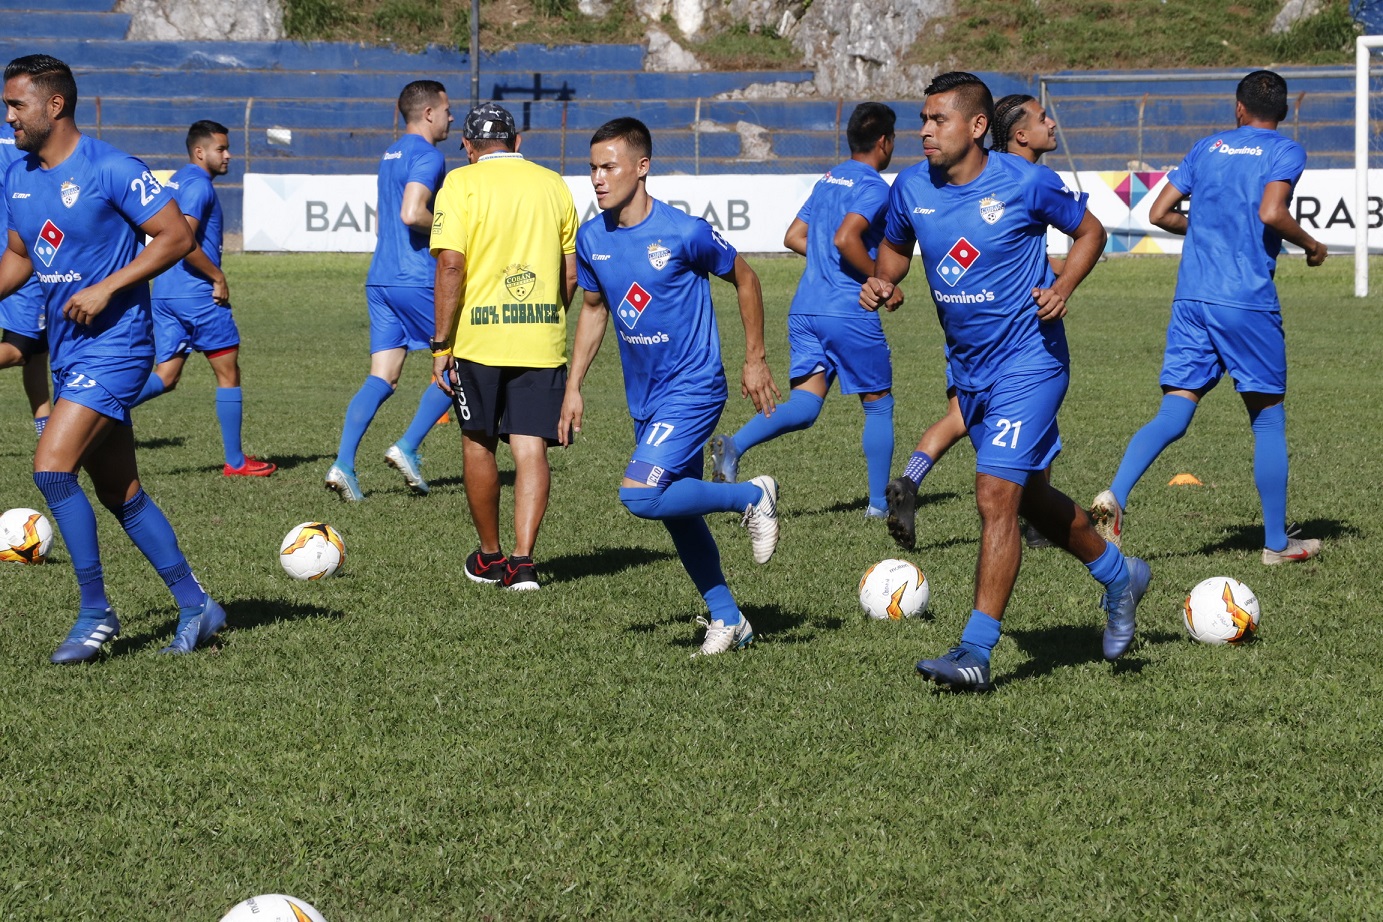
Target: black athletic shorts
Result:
[509, 401]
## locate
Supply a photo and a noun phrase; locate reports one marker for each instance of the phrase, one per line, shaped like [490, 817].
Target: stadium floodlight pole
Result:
[1362, 44]
[475, 53]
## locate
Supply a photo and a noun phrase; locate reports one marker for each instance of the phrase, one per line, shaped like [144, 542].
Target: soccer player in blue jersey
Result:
[191, 301]
[1023, 128]
[1225, 312]
[77, 209]
[981, 222]
[838, 230]
[653, 263]
[398, 288]
[21, 316]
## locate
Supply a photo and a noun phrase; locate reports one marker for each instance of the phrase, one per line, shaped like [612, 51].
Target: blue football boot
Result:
[1118, 630]
[958, 670]
[94, 627]
[196, 625]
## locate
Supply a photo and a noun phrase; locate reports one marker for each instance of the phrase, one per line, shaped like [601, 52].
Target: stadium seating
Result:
[329, 108]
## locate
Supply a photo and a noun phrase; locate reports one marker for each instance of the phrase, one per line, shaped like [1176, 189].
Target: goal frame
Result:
[1362, 46]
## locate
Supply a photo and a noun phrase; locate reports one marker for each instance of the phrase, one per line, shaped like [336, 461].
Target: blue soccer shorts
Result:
[400, 318]
[108, 385]
[1206, 340]
[669, 446]
[183, 325]
[22, 312]
[852, 349]
[1012, 423]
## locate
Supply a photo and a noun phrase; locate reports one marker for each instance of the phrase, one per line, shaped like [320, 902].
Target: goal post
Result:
[1362, 52]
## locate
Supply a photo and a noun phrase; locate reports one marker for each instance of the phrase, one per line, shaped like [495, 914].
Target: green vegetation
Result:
[1019, 36]
[399, 744]
[1026, 36]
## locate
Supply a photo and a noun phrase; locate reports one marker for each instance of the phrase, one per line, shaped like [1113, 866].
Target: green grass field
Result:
[398, 743]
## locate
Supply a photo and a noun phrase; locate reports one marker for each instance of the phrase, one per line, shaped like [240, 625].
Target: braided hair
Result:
[1008, 112]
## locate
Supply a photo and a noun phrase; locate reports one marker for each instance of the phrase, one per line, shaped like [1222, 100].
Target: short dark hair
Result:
[1264, 95]
[203, 130]
[50, 77]
[417, 96]
[971, 92]
[629, 130]
[1008, 112]
[868, 123]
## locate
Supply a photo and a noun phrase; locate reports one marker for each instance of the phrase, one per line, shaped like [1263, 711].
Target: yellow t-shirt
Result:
[513, 221]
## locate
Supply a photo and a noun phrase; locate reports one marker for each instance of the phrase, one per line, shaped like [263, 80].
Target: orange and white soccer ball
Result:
[312, 550]
[25, 536]
[1221, 610]
[273, 907]
[893, 590]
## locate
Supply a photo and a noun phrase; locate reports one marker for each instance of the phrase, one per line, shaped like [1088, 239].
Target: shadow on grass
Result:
[159, 441]
[1250, 537]
[772, 624]
[284, 462]
[605, 562]
[241, 615]
[1052, 648]
[859, 505]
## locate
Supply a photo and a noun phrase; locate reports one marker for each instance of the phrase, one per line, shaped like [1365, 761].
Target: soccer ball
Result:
[894, 589]
[1221, 610]
[25, 536]
[312, 550]
[273, 907]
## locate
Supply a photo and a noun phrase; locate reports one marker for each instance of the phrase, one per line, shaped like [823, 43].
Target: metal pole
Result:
[696, 138]
[475, 53]
[249, 108]
[1361, 162]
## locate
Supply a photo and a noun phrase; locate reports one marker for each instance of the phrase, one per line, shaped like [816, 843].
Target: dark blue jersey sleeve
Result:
[898, 229]
[1053, 203]
[132, 188]
[707, 250]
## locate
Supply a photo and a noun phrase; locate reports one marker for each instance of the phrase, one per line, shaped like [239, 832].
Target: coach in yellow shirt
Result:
[504, 234]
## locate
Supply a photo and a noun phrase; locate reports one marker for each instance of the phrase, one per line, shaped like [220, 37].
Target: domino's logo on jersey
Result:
[50, 238]
[958, 260]
[632, 307]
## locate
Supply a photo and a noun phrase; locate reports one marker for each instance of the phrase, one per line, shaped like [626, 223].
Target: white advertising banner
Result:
[303, 213]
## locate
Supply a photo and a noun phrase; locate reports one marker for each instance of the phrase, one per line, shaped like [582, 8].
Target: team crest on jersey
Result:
[519, 281]
[50, 237]
[957, 261]
[658, 255]
[632, 307]
[991, 209]
[70, 191]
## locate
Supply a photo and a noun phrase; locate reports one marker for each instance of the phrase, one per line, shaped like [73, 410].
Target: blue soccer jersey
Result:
[1230, 255]
[655, 277]
[984, 248]
[829, 284]
[79, 222]
[191, 187]
[402, 258]
[21, 312]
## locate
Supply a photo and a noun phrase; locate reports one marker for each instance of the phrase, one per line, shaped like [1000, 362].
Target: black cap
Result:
[489, 121]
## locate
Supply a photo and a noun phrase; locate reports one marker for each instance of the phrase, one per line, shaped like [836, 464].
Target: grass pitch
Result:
[398, 743]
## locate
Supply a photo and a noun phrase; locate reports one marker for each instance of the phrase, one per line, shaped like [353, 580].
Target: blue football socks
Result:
[1172, 419]
[152, 388]
[1111, 570]
[688, 497]
[433, 403]
[1270, 472]
[877, 443]
[148, 528]
[359, 414]
[918, 466]
[701, 559]
[981, 634]
[799, 411]
[229, 413]
[76, 522]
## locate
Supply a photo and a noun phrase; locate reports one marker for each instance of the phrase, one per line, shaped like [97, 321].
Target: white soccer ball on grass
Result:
[894, 589]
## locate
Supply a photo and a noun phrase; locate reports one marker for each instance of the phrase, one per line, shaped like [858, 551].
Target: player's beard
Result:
[34, 137]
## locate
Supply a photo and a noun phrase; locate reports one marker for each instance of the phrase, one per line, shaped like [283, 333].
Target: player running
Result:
[838, 229]
[77, 209]
[191, 301]
[1225, 313]
[1023, 128]
[653, 263]
[981, 221]
[21, 316]
[398, 288]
